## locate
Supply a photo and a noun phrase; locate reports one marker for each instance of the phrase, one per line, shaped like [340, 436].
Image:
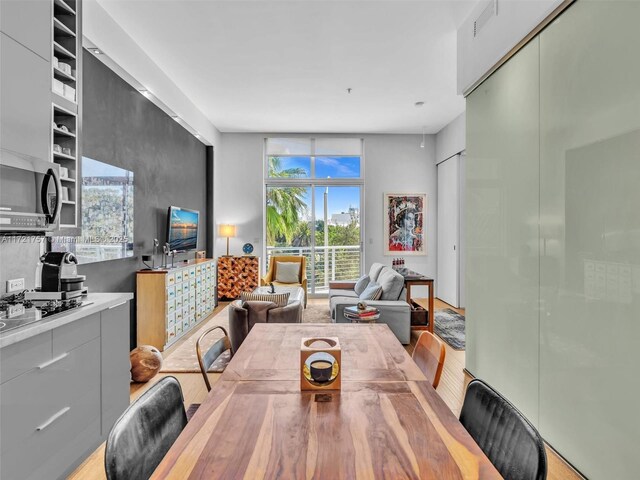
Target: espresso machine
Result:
[59, 288]
[59, 279]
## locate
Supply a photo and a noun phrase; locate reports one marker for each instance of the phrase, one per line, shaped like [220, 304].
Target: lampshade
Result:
[226, 230]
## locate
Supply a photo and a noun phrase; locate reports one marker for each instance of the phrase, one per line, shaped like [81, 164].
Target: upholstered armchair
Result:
[243, 316]
[272, 274]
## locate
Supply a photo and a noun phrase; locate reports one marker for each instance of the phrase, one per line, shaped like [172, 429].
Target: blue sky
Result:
[334, 167]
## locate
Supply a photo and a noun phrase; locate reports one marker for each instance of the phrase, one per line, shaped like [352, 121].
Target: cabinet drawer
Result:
[46, 410]
[76, 333]
[23, 356]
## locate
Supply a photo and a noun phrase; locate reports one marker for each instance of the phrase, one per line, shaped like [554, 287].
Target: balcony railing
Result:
[331, 263]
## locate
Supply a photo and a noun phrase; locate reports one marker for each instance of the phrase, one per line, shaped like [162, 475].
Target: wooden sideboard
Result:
[237, 275]
[171, 302]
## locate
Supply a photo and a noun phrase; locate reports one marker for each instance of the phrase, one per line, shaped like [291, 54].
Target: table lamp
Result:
[227, 230]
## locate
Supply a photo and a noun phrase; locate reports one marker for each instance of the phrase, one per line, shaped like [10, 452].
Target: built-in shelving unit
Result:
[66, 51]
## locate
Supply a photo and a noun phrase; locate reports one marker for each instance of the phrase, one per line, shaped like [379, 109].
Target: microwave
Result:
[30, 197]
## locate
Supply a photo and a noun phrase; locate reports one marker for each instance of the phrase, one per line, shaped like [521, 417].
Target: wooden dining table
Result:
[385, 422]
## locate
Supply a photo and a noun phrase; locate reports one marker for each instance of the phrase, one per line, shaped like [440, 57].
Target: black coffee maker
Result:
[60, 273]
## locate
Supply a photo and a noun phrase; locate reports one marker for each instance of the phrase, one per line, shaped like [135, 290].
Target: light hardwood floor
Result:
[451, 388]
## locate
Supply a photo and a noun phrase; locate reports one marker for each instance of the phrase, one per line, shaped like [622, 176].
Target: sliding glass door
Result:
[313, 206]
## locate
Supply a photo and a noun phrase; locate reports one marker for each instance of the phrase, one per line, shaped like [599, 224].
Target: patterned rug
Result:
[183, 358]
[449, 326]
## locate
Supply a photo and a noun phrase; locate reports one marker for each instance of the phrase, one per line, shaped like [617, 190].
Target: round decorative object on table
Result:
[247, 248]
[146, 362]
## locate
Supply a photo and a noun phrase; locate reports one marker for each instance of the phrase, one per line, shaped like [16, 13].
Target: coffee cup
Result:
[321, 370]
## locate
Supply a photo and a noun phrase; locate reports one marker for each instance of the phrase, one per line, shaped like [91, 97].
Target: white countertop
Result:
[101, 301]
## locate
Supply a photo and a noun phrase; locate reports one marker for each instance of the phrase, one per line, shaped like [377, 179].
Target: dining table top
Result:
[386, 421]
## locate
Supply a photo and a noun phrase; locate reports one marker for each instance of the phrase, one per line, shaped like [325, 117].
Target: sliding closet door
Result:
[590, 237]
[502, 212]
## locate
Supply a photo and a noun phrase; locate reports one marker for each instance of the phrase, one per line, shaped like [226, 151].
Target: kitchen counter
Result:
[101, 301]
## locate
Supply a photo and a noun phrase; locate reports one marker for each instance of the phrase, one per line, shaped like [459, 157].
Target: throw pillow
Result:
[392, 284]
[280, 299]
[372, 292]
[287, 272]
[361, 284]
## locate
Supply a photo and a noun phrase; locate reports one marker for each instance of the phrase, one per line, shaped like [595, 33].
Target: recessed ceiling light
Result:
[419, 104]
[198, 136]
[349, 90]
[176, 118]
[96, 51]
[146, 93]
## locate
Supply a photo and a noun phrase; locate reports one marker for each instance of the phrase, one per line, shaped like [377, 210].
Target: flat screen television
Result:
[182, 228]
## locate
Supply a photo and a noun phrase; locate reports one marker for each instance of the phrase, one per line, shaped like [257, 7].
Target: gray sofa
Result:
[394, 310]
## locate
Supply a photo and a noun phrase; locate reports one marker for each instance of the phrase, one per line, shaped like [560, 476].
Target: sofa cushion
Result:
[374, 271]
[361, 284]
[280, 299]
[392, 284]
[288, 272]
[372, 292]
[334, 292]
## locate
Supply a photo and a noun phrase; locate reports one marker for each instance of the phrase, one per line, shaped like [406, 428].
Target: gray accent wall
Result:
[123, 128]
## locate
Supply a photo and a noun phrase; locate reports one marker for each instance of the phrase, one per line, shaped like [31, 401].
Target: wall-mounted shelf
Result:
[62, 52]
[65, 111]
[62, 8]
[64, 75]
[61, 30]
[64, 156]
[57, 131]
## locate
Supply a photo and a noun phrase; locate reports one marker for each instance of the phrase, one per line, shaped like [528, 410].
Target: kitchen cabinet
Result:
[116, 369]
[28, 23]
[25, 117]
[62, 390]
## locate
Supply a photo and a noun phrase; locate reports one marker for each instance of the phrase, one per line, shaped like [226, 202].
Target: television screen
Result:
[182, 231]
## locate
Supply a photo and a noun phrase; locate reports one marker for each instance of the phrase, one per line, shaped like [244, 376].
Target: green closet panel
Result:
[590, 237]
[502, 219]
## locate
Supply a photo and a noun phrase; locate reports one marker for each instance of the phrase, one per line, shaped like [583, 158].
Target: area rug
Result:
[449, 326]
[183, 358]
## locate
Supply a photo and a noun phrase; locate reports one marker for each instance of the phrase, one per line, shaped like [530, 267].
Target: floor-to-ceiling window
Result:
[313, 205]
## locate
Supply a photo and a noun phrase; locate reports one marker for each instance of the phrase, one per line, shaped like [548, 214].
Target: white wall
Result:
[451, 139]
[511, 22]
[393, 163]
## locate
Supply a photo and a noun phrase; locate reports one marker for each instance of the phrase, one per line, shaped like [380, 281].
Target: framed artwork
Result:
[405, 223]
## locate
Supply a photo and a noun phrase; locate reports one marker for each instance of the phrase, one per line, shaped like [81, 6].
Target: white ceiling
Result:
[285, 66]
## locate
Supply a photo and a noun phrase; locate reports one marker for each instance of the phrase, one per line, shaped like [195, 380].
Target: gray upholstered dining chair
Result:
[505, 436]
[207, 359]
[143, 434]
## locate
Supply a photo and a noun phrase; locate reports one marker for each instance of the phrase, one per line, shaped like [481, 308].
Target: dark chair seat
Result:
[141, 437]
[506, 437]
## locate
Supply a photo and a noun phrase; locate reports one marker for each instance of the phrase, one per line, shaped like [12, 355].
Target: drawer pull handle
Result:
[117, 305]
[52, 361]
[53, 419]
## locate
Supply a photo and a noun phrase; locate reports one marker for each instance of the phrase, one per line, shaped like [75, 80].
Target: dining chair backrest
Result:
[506, 437]
[429, 356]
[206, 359]
[143, 434]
